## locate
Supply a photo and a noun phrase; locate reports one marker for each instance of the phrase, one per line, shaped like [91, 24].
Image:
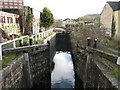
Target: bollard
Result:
[48, 42]
[95, 43]
[88, 39]
[20, 43]
[0, 52]
[30, 41]
[34, 39]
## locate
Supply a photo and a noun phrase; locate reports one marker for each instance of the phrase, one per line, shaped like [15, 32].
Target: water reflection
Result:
[63, 74]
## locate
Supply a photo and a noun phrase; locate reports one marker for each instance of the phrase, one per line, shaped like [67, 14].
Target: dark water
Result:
[63, 73]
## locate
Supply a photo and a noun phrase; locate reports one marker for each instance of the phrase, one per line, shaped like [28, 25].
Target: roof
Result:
[114, 5]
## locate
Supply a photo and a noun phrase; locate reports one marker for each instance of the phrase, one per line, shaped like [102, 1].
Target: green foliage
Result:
[113, 28]
[46, 18]
[114, 69]
[28, 21]
[8, 58]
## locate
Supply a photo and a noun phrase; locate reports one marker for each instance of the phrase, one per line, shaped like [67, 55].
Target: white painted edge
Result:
[118, 61]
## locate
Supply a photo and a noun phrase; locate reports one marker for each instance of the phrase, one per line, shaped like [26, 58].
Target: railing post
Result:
[43, 34]
[0, 52]
[20, 42]
[39, 36]
[95, 43]
[30, 41]
[36, 38]
[14, 45]
[48, 42]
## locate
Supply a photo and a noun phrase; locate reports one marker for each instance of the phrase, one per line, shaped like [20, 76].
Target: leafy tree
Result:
[28, 22]
[46, 18]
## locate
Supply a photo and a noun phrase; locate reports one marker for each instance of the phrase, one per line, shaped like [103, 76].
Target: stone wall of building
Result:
[106, 18]
[117, 26]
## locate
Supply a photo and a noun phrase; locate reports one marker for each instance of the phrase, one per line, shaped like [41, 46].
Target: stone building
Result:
[110, 19]
[12, 6]
[15, 7]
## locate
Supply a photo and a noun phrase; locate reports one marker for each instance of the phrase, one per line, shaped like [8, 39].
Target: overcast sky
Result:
[62, 9]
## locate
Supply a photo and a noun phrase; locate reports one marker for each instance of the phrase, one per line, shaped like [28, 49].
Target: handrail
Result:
[113, 58]
[37, 36]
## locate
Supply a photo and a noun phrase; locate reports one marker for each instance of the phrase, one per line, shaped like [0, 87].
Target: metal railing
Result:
[34, 37]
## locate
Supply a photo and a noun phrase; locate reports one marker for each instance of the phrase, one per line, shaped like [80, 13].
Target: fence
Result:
[113, 58]
[33, 37]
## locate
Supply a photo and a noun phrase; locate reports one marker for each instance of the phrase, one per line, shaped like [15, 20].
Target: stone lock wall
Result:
[40, 68]
[15, 75]
[92, 71]
[32, 69]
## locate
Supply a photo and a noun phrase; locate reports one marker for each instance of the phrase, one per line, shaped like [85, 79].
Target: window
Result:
[5, 1]
[20, 0]
[15, 0]
[20, 4]
[17, 20]
[6, 6]
[9, 19]
[10, 6]
[2, 19]
[10, 0]
[10, 3]
[15, 6]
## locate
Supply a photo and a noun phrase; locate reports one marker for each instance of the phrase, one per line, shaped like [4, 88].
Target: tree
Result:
[28, 22]
[46, 18]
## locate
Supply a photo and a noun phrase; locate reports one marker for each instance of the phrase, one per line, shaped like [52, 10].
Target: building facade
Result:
[33, 17]
[11, 4]
[9, 22]
[110, 19]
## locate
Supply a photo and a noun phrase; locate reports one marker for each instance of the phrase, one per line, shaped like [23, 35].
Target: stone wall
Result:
[40, 68]
[93, 71]
[62, 42]
[106, 18]
[52, 43]
[117, 26]
[15, 75]
[32, 69]
[92, 67]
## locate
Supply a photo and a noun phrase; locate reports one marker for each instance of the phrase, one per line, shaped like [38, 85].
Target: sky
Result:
[73, 9]
[63, 71]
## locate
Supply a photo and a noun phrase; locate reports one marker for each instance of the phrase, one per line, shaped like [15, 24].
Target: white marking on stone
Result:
[118, 61]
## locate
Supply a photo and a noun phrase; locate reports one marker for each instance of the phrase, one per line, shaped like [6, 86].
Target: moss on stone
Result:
[8, 58]
[115, 69]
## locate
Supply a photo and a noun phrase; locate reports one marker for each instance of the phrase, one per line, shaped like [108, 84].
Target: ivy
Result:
[113, 27]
